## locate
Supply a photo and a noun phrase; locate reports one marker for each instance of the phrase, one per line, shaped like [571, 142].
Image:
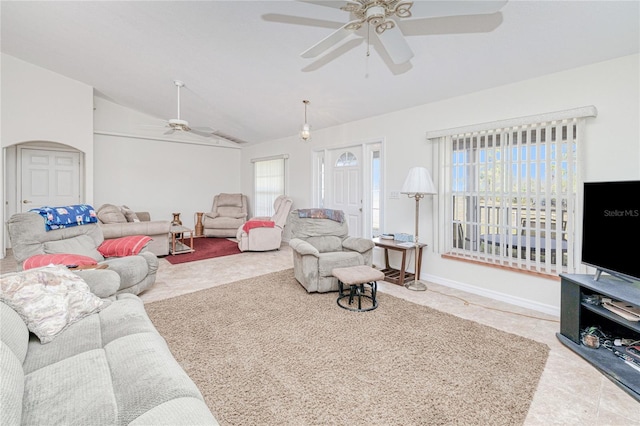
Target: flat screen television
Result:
[611, 228]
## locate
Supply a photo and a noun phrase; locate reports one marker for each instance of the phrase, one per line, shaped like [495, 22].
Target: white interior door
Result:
[346, 186]
[49, 178]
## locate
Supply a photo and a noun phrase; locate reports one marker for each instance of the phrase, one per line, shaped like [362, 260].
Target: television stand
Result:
[576, 315]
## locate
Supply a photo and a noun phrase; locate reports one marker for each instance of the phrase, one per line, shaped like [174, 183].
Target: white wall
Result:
[611, 151]
[140, 167]
[41, 106]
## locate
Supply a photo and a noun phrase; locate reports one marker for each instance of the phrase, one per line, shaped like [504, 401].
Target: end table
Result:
[179, 240]
[398, 276]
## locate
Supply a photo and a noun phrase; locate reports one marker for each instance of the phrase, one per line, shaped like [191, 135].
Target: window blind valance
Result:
[586, 111]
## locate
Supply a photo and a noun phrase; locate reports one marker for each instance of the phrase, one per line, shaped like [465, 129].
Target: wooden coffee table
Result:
[179, 240]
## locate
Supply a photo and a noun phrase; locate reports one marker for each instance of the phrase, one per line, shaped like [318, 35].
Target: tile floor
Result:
[570, 392]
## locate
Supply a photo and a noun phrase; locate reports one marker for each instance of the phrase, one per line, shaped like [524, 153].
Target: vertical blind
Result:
[508, 194]
[269, 175]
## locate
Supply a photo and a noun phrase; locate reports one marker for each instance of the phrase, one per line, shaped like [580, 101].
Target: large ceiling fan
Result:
[383, 17]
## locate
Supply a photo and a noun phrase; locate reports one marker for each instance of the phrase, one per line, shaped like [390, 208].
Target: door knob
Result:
[26, 202]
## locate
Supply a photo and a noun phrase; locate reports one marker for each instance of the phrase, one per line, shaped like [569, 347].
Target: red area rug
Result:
[206, 248]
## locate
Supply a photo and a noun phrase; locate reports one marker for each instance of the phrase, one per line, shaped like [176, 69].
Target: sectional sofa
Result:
[109, 368]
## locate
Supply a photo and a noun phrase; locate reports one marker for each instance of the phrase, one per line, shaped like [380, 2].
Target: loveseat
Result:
[129, 274]
[120, 221]
[108, 368]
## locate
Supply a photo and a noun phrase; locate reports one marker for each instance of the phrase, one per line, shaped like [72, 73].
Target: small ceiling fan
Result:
[383, 17]
[183, 125]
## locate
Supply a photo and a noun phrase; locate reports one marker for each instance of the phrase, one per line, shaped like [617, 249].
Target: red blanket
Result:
[257, 224]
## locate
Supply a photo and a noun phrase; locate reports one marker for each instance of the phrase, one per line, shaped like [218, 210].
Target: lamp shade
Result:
[418, 181]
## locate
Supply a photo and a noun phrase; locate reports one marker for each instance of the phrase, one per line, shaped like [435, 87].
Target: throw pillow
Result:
[129, 214]
[108, 213]
[67, 259]
[49, 299]
[124, 246]
[80, 244]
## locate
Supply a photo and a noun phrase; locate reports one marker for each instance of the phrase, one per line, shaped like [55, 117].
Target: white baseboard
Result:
[517, 301]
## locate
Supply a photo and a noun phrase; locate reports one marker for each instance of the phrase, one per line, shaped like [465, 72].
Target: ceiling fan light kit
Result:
[383, 16]
[377, 12]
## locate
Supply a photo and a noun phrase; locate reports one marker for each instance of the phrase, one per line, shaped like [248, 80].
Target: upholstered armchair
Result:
[320, 243]
[127, 274]
[228, 213]
[265, 233]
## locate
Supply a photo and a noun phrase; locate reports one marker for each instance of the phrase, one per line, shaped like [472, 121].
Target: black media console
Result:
[576, 315]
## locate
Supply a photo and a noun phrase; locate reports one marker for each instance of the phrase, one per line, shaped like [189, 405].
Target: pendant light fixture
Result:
[305, 133]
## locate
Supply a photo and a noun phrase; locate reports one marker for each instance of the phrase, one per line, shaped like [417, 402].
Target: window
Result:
[511, 193]
[347, 159]
[269, 183]
[376, 205]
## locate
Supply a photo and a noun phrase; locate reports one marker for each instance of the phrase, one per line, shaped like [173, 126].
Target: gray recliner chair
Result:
[130, 274]
[319, 245]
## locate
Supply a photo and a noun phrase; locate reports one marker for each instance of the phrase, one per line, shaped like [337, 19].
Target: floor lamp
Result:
[417, 184]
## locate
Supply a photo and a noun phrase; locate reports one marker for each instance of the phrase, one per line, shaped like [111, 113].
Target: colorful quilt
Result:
[335, 215]
[66, 216]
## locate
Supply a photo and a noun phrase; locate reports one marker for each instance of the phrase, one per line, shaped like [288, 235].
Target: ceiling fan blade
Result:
[396, 45]
[299, 20]
[169, 132]
[333, 3]
[435, 9]
[329, 41]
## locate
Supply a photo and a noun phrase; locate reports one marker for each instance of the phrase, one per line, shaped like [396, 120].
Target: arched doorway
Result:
[38, 173]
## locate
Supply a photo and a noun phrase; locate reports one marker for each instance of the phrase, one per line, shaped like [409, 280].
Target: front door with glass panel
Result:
[345, 188]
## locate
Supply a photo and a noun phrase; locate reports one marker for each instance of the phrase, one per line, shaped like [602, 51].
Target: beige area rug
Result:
[264, 351]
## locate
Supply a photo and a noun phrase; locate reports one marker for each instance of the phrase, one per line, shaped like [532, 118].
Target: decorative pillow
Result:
[49, 299]
[80, 244]
[108, 213]
[57, 259]
[129, 214]
[124, 246]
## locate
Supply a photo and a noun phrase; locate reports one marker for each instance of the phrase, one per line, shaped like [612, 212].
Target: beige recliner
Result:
[265, 233]
[228, 213]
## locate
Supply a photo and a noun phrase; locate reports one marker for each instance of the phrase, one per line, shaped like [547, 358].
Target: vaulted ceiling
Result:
[240, 60]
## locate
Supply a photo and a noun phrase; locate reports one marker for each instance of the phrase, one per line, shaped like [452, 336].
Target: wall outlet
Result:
[394, 195]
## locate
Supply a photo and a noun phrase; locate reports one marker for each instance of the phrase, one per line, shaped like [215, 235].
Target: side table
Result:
[398, 276]
[179, 240]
